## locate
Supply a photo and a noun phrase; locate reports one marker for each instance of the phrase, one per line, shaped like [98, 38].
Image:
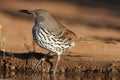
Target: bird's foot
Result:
[38, 63]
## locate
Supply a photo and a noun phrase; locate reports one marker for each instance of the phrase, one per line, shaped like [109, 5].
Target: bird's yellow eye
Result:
[37, 14]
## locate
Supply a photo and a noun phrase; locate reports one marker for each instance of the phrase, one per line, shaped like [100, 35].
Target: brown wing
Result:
[68, 34]
[63, 33]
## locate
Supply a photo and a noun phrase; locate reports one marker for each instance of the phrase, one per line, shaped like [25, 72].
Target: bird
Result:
[49, 34]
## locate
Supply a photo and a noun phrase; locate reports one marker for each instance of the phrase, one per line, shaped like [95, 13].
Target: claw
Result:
[40, 61]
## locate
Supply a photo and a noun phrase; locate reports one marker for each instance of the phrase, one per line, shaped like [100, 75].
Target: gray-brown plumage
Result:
[49, 34]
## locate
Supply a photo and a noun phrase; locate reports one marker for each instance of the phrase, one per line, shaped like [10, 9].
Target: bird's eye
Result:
[37, 14]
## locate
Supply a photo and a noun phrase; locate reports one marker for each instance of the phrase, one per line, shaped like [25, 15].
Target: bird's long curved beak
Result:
[25, 11]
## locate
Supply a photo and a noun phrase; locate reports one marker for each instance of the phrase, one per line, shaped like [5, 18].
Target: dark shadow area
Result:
[81, 76]
[107, 40]
[108, 4]
[113, 5]
[91, 24]
[25, 55]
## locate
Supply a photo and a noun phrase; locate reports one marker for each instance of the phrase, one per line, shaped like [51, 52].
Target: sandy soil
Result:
[97, 27]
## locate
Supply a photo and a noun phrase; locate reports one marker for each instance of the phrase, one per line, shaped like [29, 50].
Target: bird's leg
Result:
[57, 62]
[43, 60]
[40, 61]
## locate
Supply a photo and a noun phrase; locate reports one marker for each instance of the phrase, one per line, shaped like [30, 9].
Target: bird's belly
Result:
[51, 45]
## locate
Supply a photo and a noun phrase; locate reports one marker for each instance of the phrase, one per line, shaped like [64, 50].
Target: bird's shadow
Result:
[25, 55]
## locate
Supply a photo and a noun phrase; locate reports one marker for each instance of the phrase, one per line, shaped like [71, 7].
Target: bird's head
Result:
[37, 13]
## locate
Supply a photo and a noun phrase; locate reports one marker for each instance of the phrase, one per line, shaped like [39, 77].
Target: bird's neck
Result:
[36, 22]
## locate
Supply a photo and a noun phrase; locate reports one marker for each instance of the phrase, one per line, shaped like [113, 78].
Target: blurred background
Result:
[98, 19]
